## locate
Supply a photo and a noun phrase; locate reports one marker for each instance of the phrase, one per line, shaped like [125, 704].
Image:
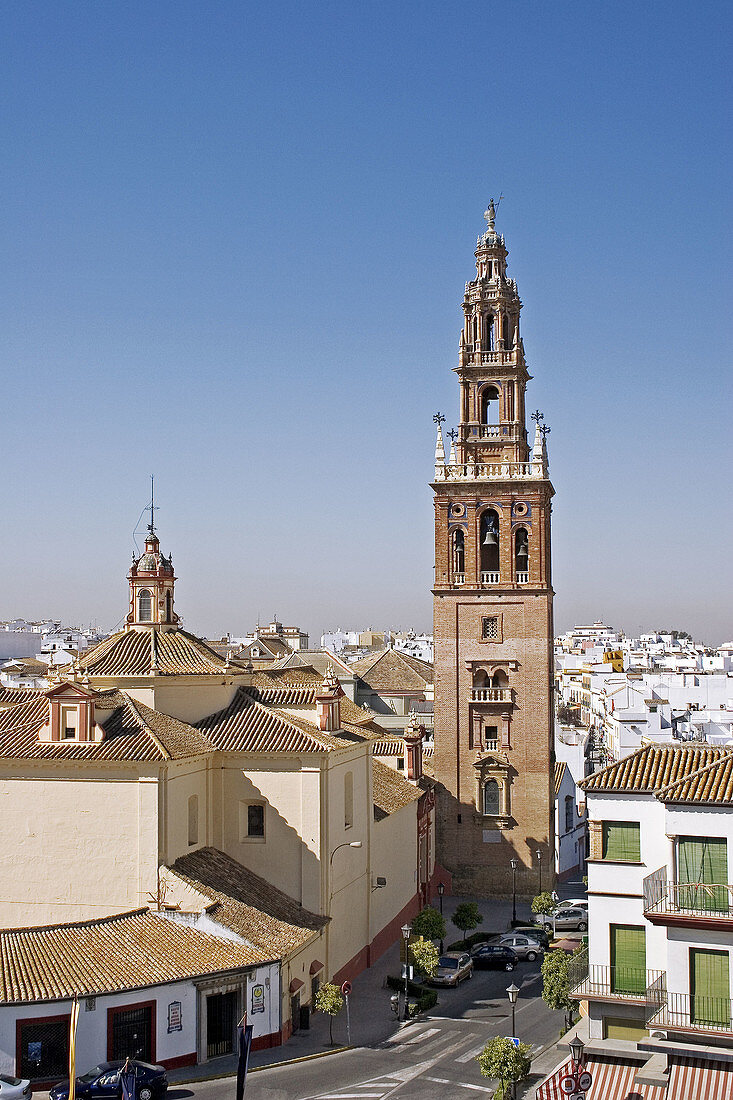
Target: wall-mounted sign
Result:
[258, 998]
[175, 1020]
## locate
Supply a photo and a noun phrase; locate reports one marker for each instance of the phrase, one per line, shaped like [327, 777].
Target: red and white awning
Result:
[689, 1079]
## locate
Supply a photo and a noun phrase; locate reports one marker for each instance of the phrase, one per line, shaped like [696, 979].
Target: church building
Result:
[493, 605]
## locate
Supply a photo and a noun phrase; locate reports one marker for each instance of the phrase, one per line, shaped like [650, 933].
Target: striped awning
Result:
[689, 1079]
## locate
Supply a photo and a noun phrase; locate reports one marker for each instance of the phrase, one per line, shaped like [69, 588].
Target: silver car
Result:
[565, 919]
[14, 1088]
[453, 967]
[525, 946]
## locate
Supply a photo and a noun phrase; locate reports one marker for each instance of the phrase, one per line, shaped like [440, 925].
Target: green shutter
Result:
[703, 860]
[710, 988]
[622, 841]
[628, 959]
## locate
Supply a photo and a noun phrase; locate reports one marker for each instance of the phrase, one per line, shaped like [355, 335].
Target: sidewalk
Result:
[372, 1020]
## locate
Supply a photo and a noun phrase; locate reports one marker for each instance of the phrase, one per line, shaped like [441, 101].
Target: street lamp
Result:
[346, 844]
[538, 853]
[441, 891]
[577, 1046]
[513, 993]
[514, 864]
[406, 929]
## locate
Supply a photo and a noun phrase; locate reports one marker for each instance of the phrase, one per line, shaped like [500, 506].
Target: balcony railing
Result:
[492, 744]
[491, 695]
[689, 1012]
[458, 578]
[522, 578]
[478, 356]
[686, 900]
[612, 982]
[489, 471]
[489, 577]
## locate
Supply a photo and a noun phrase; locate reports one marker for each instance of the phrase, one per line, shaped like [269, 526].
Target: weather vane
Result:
[153, 505]
[438, 419]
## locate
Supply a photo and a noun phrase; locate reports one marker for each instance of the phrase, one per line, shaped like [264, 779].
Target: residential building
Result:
[392, 684]
[492, 610]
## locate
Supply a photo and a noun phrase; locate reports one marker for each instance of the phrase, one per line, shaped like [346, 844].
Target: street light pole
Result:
[538, 853]
[406, 929]
[512, 994]
[514, 863]
[441, 891]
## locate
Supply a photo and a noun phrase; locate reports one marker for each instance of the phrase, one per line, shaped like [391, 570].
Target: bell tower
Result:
[152, 583]
[493, 605]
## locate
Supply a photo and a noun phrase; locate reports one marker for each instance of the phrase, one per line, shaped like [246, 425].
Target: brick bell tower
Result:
[493, 606]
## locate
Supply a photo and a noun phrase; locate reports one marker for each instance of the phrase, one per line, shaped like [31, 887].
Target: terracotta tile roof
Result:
[132, 731]
[264, 916]
[560, 769]
[394, 671]
[319, 659]
[653, 767]
[390, 790]
[712, 784]
[388, 746]
[144, 652]
[248, 726]
[11, 696]
[111, 955]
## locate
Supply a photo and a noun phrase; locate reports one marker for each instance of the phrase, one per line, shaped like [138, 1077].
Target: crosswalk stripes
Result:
[423, 1035]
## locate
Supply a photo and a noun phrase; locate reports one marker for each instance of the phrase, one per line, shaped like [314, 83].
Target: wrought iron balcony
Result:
[687, 903]
[490, 695]
[694, 1012]
[598, 982]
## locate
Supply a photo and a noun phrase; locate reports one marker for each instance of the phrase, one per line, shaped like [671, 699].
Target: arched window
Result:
[144, 605]
[499, 679]
[489, 543]
[491, 798]
[481, 679]
[489, 331]
[521, 555]
[348, 800]
[168, 606]
[458, 554]
[490, 405]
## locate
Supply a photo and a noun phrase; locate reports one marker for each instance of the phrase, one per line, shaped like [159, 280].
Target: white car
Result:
[14, 1088]
[573, 903]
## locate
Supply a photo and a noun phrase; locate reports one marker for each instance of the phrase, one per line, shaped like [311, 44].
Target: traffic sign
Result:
[346, 988]
[568, 1084]
[513, 1039]
[585, 1080]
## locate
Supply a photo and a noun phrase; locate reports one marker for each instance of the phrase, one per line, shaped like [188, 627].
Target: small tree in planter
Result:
[543, 904]
[501, 1059]
[424, 956]
[429, 924]
[556, 984]
[330, 1001]
[466, 918]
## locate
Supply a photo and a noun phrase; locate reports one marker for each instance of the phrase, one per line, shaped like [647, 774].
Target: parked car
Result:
[573, 903]
[103, 1082]
[493, 956]
[14, 1088]
[566, 920]
[534, 931]
[453, 967]
[522, 945]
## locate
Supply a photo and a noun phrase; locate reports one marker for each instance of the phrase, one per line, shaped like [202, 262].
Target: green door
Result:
[703, 863]
[709, 988]
[628, 959]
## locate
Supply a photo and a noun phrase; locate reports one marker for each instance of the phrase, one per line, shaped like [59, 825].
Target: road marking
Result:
[423, 1035]
[471, 1054]
[461, 1084]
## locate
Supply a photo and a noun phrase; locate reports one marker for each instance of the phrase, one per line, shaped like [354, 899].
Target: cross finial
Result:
[537, 416]
[453, 435]
[153, 505]
[438, 419]
[545, 429]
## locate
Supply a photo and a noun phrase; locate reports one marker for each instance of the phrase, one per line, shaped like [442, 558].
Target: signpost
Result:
[346, 990]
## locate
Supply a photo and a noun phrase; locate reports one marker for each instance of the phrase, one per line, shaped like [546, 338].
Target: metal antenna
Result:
[153, 506]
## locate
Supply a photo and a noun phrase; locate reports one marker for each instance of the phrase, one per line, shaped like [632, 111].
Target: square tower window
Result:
[490, 628]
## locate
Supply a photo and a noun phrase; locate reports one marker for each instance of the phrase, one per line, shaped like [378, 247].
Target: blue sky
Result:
[235, 240]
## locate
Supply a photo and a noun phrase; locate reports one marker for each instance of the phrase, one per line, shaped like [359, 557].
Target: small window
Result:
[568, 813]
[622, 841]
[491, 736]
[348, 800]
[256, 819]
[490, 628]
[193, 819]
[69, 723]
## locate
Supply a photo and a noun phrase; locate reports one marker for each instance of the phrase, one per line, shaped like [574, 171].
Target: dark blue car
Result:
[103, 1083]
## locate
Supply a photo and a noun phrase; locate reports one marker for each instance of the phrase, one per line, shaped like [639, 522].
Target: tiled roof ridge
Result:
[312, 730]
[722, 761]
[287, 720]
[132, 705]
[89, 922]
[625, 766]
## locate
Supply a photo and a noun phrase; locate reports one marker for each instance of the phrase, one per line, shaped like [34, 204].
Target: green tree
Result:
[330, 1001]
[466, 917]
[430, 924]
[543, 903]
[424, 956]
[556, 984]
[501, 1059]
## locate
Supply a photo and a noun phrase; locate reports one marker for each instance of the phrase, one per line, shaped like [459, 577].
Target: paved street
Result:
[418, 1061]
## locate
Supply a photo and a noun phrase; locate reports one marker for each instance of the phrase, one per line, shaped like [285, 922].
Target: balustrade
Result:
[491, 695]
[489, 577]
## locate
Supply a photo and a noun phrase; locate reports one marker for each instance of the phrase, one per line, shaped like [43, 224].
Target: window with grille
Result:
[621, 841]
[490, 628]
[491, 798]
